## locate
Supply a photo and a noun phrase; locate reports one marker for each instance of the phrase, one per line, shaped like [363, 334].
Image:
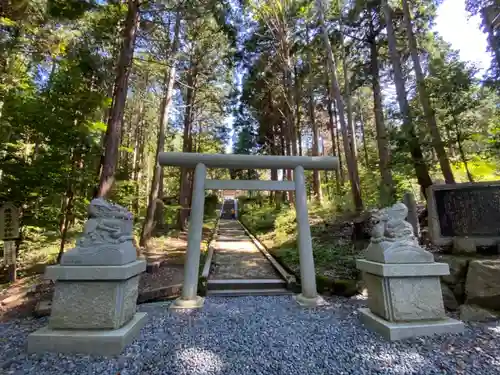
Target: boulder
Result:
[464, 245]
[449, 300]
[459, 292]
[476, 313]
[458, 268]
[482, 285]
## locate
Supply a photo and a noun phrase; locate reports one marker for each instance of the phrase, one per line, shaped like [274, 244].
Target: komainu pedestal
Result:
[403, 281]
[96, 287]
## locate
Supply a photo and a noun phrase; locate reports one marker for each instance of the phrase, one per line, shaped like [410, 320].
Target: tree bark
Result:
[387, 191]
[461, 149]
[317, 194]
[168, 84]
[429, 113]
[187, 147]
[298, 138]
[335, 90]
[139, 162]
[363, 136]
[421, 170]
[112, 141]
[347, 89]
[337, 136]
[333, 133]
[67, 206]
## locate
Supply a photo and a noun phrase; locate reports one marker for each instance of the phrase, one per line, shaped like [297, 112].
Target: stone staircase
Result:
[239, 268]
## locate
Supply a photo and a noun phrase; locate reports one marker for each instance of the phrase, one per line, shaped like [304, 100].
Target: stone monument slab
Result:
[466, 210]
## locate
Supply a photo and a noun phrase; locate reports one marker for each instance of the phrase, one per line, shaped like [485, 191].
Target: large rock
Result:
[459, 292]
[482, 286]
[476, 313]
[458, 268]
[449, 300]
[464, 245]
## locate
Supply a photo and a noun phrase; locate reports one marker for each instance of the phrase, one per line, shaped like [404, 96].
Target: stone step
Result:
[245, 284]
[249, 292]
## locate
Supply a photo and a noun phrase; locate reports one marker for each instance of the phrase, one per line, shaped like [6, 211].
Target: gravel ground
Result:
[263, 335]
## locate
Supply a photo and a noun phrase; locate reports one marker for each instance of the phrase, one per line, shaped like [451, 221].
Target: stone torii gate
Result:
[189, 297]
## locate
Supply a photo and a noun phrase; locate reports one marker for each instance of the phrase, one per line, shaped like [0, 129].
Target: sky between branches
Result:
[454, 26]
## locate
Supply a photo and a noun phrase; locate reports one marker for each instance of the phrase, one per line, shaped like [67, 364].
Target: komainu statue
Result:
[107, 237]
[393, 240]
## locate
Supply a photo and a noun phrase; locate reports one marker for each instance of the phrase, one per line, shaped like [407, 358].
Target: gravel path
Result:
[263, 335]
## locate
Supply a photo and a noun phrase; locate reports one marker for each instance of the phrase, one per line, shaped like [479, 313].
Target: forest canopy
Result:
[91, 91]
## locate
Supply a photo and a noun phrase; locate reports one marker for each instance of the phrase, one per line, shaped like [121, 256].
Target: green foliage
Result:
[211, 201]
[334, 257]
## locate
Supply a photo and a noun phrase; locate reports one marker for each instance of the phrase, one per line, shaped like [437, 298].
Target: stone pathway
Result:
[236, 256]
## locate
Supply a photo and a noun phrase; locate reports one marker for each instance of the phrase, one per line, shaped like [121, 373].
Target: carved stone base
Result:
[93, 304]
[93, 342]
[404, 299]
[404, 330]
[399, 298]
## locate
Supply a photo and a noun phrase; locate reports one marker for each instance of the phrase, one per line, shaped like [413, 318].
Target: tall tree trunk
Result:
[335, 90]
[347, 90]
[298, 137]
[449, 142]
[68, 202]
[387, 191]
[115, 120]
[429, 113]
[139, 164]
[333, 134]
[421, 170]
[274, 172]
[363, 136]
[461, 149]
[337, 136]
[318, 196]
[168, 86]
[187, 146]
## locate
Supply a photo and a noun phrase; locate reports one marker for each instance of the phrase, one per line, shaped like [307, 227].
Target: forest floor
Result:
[164, 252]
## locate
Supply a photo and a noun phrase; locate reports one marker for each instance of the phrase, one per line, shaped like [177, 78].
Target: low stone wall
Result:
[473, 286]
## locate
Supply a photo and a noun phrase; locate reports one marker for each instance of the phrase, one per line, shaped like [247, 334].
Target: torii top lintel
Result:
[235, 161]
